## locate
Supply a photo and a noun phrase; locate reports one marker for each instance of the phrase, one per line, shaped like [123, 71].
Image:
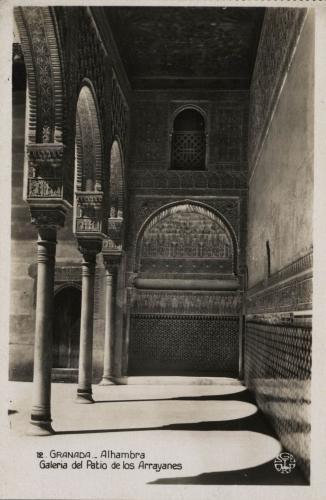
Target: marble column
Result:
[84, 391]
[41, 406]
[109, 321]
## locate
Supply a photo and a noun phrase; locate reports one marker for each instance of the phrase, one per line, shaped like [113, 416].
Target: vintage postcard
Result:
[163, 249]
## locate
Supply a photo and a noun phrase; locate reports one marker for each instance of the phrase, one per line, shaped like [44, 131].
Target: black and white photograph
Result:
[162, 190]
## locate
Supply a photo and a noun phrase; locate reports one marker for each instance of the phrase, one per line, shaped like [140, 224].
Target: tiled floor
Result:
[212, 429]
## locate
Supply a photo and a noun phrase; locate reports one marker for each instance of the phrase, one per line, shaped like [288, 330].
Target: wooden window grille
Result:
[188, 141]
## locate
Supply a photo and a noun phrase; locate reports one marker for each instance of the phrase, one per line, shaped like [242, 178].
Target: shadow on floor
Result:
[254, 423]
[264, 474]
[244, 396]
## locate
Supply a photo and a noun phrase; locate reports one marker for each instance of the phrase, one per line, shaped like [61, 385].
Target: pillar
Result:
[41, 406]
[109, 321]
[84, 390]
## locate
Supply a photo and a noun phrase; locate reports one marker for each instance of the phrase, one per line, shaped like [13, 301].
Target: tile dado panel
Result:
[278, 369]
[167, 344]
[277, 353]
[184, 332]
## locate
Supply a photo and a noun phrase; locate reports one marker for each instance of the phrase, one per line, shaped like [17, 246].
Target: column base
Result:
[119, 380]
[106, 381]
[40, 428]
[84, 397]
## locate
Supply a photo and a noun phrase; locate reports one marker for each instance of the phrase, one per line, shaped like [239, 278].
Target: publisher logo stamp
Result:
[284, 463]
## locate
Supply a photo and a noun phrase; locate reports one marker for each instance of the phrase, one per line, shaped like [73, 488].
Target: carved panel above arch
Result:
[186, 241]
[185, 238]
[229, 207]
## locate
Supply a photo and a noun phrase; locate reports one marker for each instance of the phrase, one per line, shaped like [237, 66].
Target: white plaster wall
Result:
[281, 186]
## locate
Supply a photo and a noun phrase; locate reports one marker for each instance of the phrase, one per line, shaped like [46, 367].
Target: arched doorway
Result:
[67, 304]
[186, 304]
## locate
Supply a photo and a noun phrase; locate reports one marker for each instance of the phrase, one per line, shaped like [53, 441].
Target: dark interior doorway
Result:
[67, 304]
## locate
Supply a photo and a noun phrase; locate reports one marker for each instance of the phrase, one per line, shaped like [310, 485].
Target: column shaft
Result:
[84, 391]
[41, 407]
[109, 327]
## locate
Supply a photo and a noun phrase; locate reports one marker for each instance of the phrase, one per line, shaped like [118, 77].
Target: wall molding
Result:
[289, 289]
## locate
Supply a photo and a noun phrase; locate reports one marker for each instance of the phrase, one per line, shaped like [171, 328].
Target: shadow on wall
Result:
[278, 371]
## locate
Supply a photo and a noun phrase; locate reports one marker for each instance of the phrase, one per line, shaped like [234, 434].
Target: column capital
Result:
[89, 248]
[47, 218]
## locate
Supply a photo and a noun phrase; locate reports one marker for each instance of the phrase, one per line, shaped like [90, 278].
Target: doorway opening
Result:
[67, 306]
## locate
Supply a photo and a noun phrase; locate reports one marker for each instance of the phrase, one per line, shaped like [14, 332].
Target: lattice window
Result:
[188, 151]
[188, 141]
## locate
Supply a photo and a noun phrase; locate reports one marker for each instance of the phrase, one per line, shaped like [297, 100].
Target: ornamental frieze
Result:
[45, 152]
[294, 295]
[44, 188]
[89, 199]
[169, 302]
[218, 178]
[112, 247]
[88, 225]
[299, 266]
[89, 212]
